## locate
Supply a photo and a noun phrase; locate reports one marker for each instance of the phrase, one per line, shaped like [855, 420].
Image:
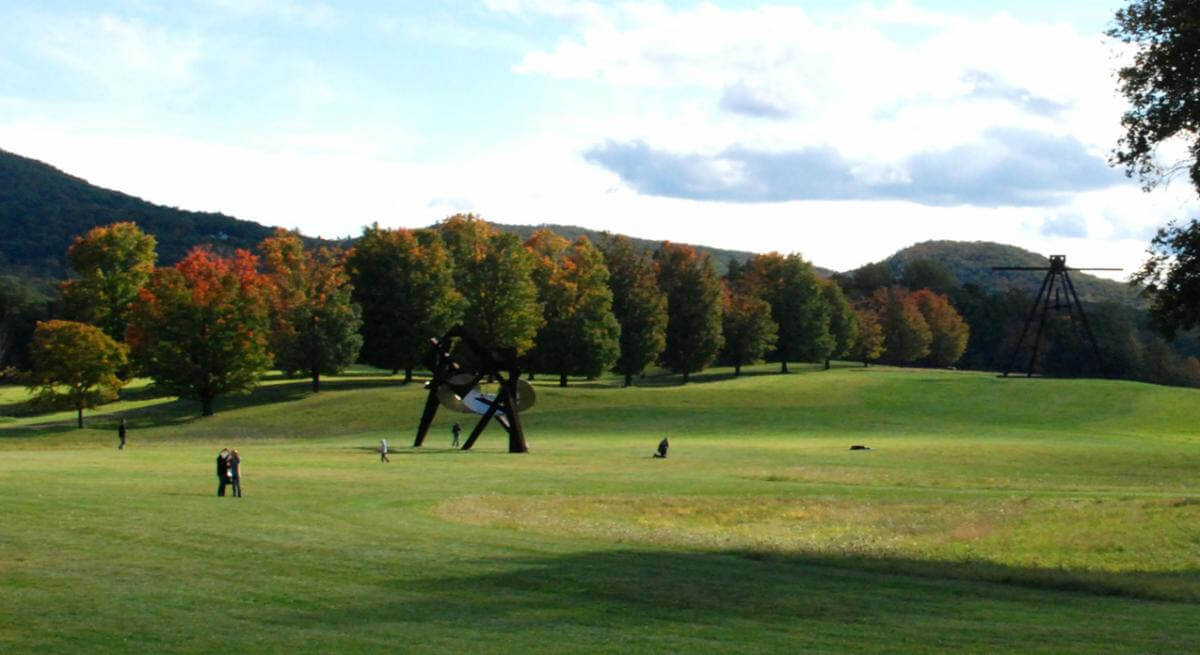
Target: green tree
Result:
[314, 322]
[1171, 277]
[906, 335]
[1162, 86]
[580, 335]
[747, 327]
[843, 324]
[948, 331]
[928, 274]
[494, 273]
[404, 282]
[200, 328]
[791, 286]
[638, 304]
[694, 312]
[111, 263]
[75, 364]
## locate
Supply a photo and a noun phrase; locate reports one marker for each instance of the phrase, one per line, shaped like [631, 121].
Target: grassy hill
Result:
[42, 209]
[972, 262]
[1053, 516]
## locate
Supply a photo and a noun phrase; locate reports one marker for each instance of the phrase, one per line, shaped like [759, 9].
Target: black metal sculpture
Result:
[455, 385]
[1056, 285]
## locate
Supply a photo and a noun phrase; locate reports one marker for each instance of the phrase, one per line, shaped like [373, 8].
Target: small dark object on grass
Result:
[858, 447]
[662, 448]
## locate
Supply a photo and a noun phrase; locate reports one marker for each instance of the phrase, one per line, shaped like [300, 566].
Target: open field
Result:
[989, 516]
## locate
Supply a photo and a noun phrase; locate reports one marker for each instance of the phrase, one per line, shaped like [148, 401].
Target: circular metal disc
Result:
[450, 400]
[526, 397]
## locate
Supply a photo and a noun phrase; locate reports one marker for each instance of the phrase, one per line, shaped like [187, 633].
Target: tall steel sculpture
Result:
[455, 385]
[1056, 293]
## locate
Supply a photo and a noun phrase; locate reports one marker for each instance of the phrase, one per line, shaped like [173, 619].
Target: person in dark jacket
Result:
[121, 435]
[222, 471]
[455, 430]
[235, 472]
[662, 448]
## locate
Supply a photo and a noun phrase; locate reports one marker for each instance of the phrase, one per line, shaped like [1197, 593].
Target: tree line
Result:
[213, 323]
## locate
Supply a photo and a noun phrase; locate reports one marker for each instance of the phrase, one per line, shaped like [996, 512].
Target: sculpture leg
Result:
[431, 405]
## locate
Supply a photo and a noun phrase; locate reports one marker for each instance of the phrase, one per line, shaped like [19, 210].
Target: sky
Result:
[840, 130]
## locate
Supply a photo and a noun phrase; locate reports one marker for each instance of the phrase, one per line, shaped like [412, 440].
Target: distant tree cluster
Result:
[212, 324]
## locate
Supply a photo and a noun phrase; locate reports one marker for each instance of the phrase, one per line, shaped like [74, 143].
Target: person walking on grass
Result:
[455, 430]
[235, 472]
[222, 471]
[383, 451]
[121, 434]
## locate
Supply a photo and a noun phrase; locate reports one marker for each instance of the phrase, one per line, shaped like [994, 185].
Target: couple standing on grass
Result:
[229, 471]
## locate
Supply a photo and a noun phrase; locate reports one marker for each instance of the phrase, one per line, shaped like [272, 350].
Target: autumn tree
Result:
[948, 331]
[494, 273]
[403, 280]
[694, 311]
[906, 335]
[747, 327]
[75, 364]
[314, 322]
[843, 324]
[639, 305]
[868, 347]
[110, 264]
[791, 286]
[580, 335]
[200, 328]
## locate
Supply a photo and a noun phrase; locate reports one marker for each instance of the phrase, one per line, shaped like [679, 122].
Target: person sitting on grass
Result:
[662, 448]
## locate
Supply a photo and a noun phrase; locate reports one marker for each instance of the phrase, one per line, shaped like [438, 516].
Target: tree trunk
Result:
[827, 366]
[685, 377]
[562, 379]
[737, 370]
[316, 378]
[407, 374]
[629, 379]
[206, 405]
[79, 417]
[783, 366]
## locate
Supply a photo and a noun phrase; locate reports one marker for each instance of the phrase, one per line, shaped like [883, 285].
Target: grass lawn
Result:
[989, 515]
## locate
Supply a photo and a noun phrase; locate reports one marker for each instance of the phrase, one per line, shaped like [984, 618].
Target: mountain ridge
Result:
[42, 209]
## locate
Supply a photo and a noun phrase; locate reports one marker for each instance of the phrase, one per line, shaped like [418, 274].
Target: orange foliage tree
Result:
[200, 328]
[948, 330]
[314, 324]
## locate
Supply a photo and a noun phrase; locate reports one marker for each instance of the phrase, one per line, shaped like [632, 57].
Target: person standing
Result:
[455, 430]
[383, 451]
[121, 434]
[222, 471]
[235, 472]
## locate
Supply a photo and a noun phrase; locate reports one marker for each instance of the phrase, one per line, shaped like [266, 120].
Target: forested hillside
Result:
[972, 261]
[720, 257]
[42, 209]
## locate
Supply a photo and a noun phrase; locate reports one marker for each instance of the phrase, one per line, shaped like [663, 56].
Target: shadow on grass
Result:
[185, 410]
[770, 600]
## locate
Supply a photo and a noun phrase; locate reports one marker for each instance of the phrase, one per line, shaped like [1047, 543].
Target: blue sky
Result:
[840, 130]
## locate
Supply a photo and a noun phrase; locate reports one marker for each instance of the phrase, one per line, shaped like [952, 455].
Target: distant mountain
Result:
[972, 262]
[42, 209]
